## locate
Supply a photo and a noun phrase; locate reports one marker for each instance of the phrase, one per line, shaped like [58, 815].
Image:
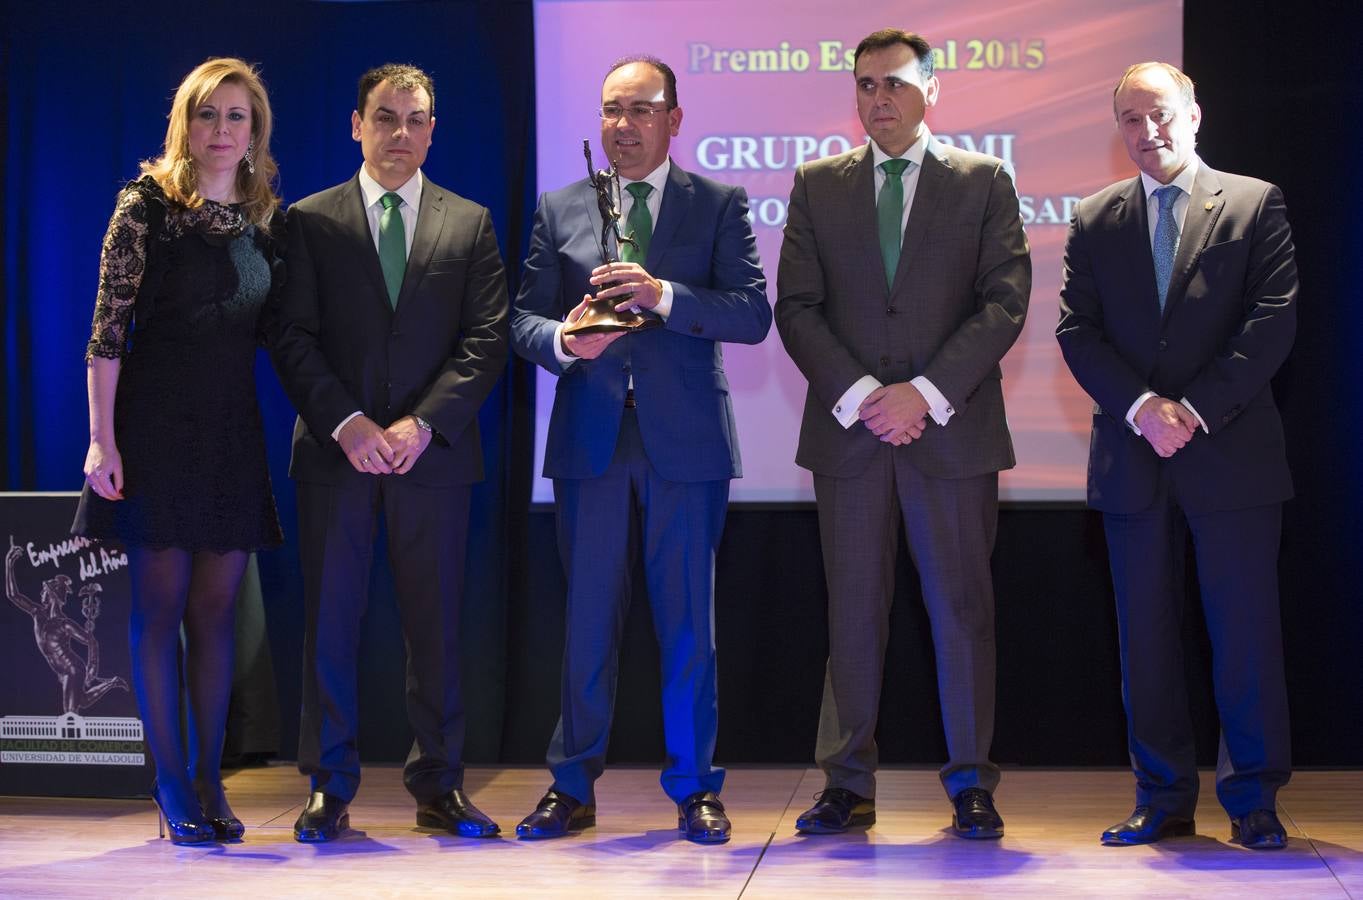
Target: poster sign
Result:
[68, 718]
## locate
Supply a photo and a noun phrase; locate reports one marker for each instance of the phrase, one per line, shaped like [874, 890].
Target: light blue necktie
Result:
[1166, 240]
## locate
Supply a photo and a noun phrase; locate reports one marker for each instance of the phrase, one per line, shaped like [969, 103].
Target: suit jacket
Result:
[340, 346]
[703, 244]
[1228, 323]
[957, 304]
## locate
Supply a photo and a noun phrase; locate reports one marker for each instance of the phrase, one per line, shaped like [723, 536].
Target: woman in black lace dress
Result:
[176, 470]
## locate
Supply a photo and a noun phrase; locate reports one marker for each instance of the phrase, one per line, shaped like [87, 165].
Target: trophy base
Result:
[601, 317]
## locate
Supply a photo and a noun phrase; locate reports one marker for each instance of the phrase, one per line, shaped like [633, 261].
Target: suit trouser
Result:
[950, 525]
[427, 529]
[603, 523]
[1237, 572]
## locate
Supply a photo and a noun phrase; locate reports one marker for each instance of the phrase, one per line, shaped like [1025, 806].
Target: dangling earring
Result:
[249, 158]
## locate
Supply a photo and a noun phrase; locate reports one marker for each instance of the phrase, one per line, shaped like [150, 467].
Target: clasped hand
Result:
[383, 451]
[895, 413]
[1166, 425]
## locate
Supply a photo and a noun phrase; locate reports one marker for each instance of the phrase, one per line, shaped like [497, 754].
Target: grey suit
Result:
[957, 303]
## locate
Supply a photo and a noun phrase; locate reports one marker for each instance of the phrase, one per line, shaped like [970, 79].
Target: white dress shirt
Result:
[1184, 182]
[373, 193]
[657, 179]
[849, 404]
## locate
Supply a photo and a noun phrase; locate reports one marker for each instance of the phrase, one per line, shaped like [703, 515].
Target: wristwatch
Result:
[423, 424]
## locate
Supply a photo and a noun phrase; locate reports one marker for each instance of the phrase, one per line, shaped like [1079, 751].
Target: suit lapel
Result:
[1133, 226]
[861, 198]
[430, 222]
[1204, 208]
[926, 198]
[351, 214]
[678, 195]
[593, 216]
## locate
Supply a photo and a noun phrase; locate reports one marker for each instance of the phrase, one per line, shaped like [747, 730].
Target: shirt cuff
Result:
[336, 432]
[664, 307]
[1201, 421]
[564, 359]
[1131, 413]
[849, 404]
[938, 407]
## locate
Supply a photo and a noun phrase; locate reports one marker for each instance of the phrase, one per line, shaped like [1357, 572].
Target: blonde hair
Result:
[174, 169]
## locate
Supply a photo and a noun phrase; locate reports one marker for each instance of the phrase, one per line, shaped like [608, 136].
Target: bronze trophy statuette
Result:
[601, 315]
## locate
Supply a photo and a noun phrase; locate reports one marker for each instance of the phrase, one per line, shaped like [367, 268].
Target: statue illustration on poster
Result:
[54, 632]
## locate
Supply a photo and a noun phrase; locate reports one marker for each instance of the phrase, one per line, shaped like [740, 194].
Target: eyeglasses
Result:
[639, 112]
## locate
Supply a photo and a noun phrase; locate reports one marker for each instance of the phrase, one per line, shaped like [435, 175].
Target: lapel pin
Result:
[1208, 207]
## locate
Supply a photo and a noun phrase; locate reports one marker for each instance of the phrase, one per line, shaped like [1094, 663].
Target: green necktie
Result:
[889, 213]
[392, 246]
[639, 222]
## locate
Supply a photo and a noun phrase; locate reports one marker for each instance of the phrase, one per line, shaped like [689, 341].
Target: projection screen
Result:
[765, 85]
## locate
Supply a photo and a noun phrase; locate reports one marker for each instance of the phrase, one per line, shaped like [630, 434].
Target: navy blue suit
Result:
[1227, 326]
[652, 479]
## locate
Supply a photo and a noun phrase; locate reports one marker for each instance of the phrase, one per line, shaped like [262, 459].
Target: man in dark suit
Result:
[1178, 305]
[641, 442]
[393, 331]
[904, 279]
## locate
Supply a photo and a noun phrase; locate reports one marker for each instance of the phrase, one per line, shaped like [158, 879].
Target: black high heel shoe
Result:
[185, 831]
[225, 828]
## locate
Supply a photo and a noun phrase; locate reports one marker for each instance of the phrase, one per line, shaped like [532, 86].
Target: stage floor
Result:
[103, 848]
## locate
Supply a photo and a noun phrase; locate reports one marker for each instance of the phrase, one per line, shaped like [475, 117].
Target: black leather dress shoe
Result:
[323, 819]
[455, 813]
[1147, 825]
[836, 810]
[556, 815]
[701, 818]
[1258, 830]
[975, 817]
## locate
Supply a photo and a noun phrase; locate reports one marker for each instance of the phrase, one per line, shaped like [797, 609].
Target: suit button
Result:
[1163, 344]
[696, 329]
[625, 368]
[884, 360]
[890, 310]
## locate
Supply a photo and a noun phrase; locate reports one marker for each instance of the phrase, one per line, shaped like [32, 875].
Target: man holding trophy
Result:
[641, 442]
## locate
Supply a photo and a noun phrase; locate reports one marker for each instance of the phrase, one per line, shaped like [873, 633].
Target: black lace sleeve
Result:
[122, 264]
